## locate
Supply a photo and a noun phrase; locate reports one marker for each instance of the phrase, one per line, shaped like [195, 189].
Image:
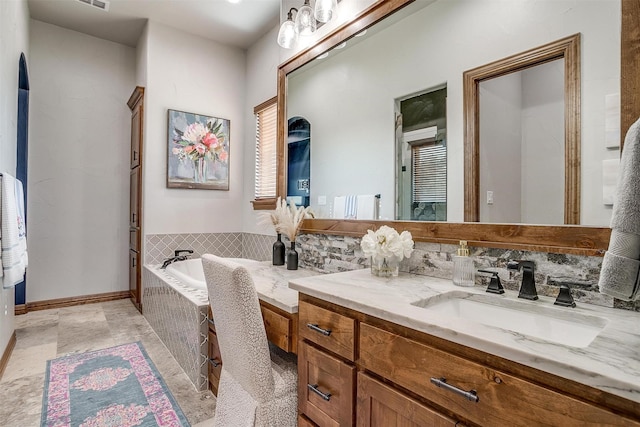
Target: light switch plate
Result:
[322, 200]
[489, 197]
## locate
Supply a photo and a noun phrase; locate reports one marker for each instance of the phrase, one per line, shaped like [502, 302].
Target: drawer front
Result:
[133, 239]
[278, 328]
[380, 406]
[327, 329]
[502, 399]
[326, 387]
[215, 361]
[303, 422]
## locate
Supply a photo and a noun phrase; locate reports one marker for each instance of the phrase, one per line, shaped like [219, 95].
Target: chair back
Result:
[244, 348]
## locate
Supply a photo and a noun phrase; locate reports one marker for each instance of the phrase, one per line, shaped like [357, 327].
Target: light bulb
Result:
[325, 9]
[287, 35]
[305, 21]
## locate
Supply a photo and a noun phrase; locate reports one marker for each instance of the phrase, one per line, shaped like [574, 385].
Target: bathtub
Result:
[190, 272]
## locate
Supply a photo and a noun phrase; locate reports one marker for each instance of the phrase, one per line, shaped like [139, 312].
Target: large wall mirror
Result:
[349, 98]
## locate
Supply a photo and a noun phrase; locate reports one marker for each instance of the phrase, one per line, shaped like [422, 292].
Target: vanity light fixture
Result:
[325, 9]
[287, 36]
[323, 55]
[340, 46]
[305, 21]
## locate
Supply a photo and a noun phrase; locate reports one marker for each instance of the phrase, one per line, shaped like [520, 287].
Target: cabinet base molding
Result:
[71, 301]
[7, 353]
[20, 309]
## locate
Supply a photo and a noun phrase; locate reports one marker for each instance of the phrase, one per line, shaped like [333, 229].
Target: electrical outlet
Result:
[489, 197]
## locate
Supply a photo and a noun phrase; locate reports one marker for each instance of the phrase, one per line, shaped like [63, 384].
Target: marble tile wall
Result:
[178, 315]
[332, 254]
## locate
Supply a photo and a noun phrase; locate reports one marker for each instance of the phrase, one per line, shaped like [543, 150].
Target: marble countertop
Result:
[611, 362]
[272, 282]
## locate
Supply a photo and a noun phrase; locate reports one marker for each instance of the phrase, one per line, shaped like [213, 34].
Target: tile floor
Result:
[47, 334]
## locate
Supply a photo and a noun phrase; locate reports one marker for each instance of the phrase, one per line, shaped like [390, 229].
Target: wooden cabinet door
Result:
[134, 278]
[136, 134]
[134, 199]
[381, 406]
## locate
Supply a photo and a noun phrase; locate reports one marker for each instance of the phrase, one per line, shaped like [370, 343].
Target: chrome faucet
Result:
[528, 286]
[177, 257]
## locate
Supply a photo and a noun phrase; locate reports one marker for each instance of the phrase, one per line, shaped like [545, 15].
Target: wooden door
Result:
[382, 406]
[136, 104]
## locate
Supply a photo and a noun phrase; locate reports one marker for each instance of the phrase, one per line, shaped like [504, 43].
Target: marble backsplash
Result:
[332, 254]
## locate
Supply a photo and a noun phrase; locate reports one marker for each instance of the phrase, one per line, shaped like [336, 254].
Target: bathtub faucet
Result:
[177, 257]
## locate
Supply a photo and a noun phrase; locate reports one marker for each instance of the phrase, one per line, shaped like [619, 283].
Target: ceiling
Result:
[240, 24]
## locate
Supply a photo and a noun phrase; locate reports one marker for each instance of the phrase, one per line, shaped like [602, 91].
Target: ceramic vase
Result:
[278, 251]
[292, 257]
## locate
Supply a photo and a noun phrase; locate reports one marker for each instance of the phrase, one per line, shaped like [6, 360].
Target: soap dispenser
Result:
[463, 268]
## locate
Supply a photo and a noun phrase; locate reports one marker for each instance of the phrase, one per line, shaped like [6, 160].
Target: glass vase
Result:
[200, 170]
[385, 267]
[278, 251]
[292, 257]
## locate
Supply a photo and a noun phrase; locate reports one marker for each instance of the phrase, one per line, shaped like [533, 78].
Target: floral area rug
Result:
[117, 386]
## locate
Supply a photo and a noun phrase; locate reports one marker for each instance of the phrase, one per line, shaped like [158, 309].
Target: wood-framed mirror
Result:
[567, 50]
[584, 240]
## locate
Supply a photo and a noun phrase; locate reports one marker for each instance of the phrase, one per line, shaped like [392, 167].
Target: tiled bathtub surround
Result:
[178, 314]
[339, 253]
[159, 247]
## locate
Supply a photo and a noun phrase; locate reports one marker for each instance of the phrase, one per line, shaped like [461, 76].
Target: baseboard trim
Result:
[20, 309]
[80, 300]
[7, 353]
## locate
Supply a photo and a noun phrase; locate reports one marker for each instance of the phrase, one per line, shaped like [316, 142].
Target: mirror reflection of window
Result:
[421, 154]
[522, 146]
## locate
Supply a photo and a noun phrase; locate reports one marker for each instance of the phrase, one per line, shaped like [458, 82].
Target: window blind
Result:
[429, 178]
[266, 131]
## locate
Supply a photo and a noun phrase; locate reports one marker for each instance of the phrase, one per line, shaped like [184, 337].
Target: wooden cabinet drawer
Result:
[502, 398]
[281, 330]
[327, 329]
[325, 387]
[215, 363]
[380, 406]
[303, 422]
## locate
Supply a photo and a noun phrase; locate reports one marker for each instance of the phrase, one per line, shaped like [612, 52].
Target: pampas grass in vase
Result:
[290, 220]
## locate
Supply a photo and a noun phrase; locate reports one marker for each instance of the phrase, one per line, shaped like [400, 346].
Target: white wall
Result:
[78, 163]
[196, 75]
[142, 57]
[435, 46]
[500, 143]
[14, 39]
[261, 85]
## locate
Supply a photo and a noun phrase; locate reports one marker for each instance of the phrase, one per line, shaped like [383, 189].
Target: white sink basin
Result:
[553, 324]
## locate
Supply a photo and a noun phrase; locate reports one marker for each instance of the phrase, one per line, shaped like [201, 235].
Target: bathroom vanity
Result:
[379, 352]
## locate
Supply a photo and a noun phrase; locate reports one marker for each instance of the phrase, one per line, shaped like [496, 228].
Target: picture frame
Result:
[198, 153]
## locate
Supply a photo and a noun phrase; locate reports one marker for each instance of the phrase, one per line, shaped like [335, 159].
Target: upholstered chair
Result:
[258, 382]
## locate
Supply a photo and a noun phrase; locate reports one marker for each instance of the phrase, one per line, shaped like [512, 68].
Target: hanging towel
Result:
[367, 207]
[14, 237]
[339, 204]
[619, 276]
[351, 207]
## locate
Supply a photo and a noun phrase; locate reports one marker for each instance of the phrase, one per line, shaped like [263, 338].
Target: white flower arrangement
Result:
[287, 219]
[385, 242]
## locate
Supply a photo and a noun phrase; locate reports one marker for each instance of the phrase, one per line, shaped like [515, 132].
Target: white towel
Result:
[620, 272]
[367, 207]
[339, 203]
[351, 207]
[14, 237]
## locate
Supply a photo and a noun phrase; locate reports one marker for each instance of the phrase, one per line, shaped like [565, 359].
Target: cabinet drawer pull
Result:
[314, 388]
[469, 395]
[315, 327]
[211, 322]
[215, 362]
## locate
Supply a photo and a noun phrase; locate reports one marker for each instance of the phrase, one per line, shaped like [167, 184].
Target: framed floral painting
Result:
[198, 151]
